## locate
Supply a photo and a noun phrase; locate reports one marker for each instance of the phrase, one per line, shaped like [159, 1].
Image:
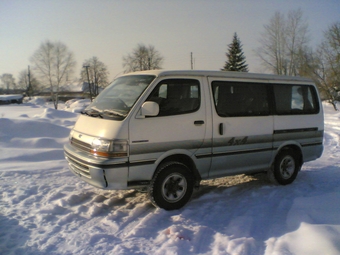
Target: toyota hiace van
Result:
[165, 131]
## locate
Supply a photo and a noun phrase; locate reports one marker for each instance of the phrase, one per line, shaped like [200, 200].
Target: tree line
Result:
[53, 64]
[284, 50]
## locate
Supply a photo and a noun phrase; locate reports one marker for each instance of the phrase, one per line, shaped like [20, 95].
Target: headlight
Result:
[101, 145]
[108, 148]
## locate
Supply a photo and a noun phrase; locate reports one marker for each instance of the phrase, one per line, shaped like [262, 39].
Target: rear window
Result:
[295, 99]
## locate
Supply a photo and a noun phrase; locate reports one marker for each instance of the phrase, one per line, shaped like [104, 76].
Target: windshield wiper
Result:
[93, 112]
[84, 113]
[115, 113]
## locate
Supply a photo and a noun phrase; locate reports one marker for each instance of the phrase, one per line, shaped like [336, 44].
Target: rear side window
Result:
[234, 99]
[176, 96]
[295, 99]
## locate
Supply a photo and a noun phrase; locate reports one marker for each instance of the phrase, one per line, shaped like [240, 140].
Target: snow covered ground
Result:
[44, 209]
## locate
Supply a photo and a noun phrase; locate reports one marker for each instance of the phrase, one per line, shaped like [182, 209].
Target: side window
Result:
[295, 99]
[233, 99]
[176, 96]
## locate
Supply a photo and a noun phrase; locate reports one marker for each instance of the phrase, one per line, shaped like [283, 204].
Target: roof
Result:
[11, 97]
[223, 74]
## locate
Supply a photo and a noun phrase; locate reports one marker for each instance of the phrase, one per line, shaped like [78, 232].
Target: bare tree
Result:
[331, 49]
[28, 82]
[53, 62]
[98, 75]
[324, 65]
[282, 43]
[8, 81]
[142, 58]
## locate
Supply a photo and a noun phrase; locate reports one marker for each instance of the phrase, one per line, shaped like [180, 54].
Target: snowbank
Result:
[44, 209]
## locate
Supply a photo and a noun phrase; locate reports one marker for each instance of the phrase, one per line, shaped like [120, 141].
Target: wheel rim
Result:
[174, 187]
[287, 167]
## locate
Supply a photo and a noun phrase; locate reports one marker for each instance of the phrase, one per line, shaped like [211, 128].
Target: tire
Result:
[172, 186]
[286, 167]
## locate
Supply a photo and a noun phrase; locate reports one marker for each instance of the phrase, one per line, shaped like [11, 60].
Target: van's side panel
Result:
[304, 130]
[298, 119]
[244, 146]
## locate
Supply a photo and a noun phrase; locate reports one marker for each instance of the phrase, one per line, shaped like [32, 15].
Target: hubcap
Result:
[174, 187]
[287, 167]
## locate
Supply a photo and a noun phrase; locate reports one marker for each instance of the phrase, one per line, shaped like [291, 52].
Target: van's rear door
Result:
[242, 127]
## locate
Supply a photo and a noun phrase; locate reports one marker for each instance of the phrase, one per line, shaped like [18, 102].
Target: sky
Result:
[110, 30]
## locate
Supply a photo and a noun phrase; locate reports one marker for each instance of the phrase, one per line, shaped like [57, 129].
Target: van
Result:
[165, 131]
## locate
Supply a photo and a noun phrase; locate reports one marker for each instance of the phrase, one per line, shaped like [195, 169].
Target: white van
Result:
[165, 131]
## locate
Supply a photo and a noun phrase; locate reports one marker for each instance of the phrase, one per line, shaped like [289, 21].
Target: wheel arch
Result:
[296, 147]
[184, 159]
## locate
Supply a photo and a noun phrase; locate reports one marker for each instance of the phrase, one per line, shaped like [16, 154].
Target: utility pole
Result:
[149, 63]
[88, 80]
[191, 61]
[29, 88]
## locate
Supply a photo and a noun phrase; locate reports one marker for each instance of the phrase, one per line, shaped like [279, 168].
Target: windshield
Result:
[116, 100]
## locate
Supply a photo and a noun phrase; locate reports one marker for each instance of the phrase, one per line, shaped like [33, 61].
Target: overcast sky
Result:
[112, 29]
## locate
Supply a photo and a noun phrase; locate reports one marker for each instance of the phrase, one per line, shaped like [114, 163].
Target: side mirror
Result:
[149, 108]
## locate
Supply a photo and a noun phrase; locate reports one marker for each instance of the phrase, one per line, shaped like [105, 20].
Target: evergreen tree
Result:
[236, 59]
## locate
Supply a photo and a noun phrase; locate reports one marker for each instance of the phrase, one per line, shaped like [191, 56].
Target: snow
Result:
[76, 105]
[44, 209]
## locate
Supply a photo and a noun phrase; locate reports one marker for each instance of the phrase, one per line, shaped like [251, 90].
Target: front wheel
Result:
[286, 167]
[172, 186]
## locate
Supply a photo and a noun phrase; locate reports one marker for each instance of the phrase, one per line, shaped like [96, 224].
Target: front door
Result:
[179, 128]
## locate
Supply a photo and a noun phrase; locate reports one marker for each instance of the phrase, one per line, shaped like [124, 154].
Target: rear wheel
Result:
[286, 167]
[172, 186]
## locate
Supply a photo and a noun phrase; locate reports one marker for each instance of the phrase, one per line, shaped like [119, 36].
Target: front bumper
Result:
[100, 172]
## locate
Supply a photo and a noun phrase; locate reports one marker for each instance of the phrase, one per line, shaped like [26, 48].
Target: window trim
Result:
[195, 82]
[271, 100]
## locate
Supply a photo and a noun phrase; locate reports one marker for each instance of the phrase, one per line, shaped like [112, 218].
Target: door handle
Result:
[199, 122]
[220, 128]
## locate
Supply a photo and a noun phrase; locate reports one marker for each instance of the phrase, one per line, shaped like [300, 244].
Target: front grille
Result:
[79, 168]
[80, 145]
[85, 167]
